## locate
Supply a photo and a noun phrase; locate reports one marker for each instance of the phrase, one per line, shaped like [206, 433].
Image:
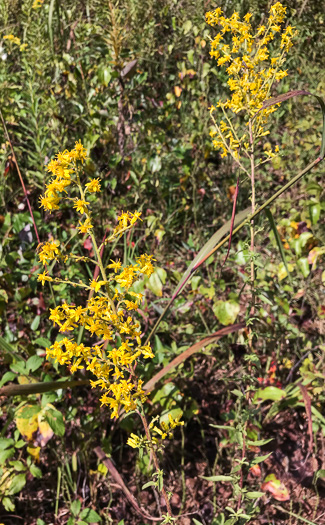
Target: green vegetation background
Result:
[133, 80]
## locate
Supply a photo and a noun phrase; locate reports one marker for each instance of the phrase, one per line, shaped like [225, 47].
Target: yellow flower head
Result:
[93, 186]
[42, 277]
[81, 205]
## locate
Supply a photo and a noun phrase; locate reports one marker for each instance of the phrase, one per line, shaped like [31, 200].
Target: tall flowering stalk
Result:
[107, 315]
[254, 60]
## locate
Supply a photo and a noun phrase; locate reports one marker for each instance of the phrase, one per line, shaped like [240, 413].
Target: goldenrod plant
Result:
[254, 59]
[106, 316]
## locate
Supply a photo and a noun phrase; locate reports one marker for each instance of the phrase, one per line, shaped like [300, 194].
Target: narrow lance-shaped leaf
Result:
[199, 259]
[232, 223]
[278, 240]
[190, 351]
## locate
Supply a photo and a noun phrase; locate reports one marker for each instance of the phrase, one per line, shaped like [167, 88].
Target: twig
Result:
[118, 478]
[289, 376]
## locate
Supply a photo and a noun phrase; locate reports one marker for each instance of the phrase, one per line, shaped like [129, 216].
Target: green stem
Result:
[154, 456]
[252, 160]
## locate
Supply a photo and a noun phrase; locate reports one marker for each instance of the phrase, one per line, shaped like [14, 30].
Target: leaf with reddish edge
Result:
[232, 222]
[208, 249]
[190, 351]
[276, 488]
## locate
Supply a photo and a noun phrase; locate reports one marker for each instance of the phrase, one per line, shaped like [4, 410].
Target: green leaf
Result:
[18, 368]
[42, 341]
[56, 422]
[35, 323]
[190, 56]
[320, 474]
[278, 240]
[187, 26]
[17, 465]
[9, 349]
[156, 281]
[90, 516]
[8, 504]
[258, 443]
[104, 75]
[254, 495]
[5, 454]
[35, 471]
[6, 443]
[197, 522]
[270, 393]
[149, 484]
[75, 507]
[205, 69]
[33, 363]
[303, 265]
[318, 414]
[8, 376]
[28, 411]
[259, 459]
[314, 210]
[20, 443]
[218, 478]
[226, 311]
[18, 482]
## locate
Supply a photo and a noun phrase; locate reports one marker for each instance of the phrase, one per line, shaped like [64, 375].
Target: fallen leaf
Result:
[255, 470]
[276, 488]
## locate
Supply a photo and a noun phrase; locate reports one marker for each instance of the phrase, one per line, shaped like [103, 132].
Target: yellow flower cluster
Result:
[49, 251]
[64, 169]
[15, 40]
[37, 4]
[252, 68]
[162, 433]
[106, 315]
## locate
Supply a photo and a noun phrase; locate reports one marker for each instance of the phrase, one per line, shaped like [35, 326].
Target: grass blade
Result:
[203, 254]
[269, 215]
[232, 223]
[192, 350]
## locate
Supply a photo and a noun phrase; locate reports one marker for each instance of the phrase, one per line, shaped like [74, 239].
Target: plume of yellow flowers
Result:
[253, 63]
[106, 315]
[15, 40]
[161, 433]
